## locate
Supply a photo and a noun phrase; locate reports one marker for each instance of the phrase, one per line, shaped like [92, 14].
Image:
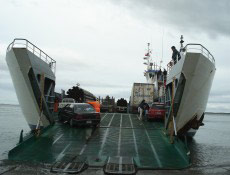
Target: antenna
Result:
[148, 47]
[162, 48]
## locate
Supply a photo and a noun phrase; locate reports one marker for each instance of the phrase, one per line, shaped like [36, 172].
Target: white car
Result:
[66, 101]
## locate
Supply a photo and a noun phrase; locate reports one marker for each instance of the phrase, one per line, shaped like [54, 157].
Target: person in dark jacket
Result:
[141, 109]
[175, 55]
[146, 110]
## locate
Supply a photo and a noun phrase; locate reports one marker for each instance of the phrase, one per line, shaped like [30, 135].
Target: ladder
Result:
[49, 97]
[169, 102]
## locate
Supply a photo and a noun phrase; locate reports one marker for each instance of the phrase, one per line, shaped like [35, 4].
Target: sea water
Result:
[210, 147]
[12, 122]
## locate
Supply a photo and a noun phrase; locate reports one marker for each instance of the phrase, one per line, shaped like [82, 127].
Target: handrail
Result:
[24, 43]
[203, 50]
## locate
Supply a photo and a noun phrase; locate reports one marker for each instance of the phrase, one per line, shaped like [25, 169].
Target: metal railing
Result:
[24, 43]
[195, 48]
[199, 49]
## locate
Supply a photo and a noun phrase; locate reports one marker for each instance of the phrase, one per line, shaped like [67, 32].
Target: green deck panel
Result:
[118, 135]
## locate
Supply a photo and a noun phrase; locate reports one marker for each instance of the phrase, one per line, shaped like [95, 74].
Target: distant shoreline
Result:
[227, 113]
[3, 104]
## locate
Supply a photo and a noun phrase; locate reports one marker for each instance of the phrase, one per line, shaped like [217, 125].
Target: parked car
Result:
[79, 114]
[156, 111]
[121, 109]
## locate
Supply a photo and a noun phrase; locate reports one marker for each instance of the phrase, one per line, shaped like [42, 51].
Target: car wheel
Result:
[71, 123]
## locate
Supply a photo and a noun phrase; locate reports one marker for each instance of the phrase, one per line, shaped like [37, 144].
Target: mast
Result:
[150, 70]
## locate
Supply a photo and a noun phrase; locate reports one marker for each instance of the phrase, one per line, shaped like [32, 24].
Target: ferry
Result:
[121, 144]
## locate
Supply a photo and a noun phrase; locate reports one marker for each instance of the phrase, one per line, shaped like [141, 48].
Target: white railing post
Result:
[31, 47]
[174, 125]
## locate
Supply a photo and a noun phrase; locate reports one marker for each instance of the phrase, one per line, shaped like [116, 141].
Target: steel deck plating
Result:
[119, 135]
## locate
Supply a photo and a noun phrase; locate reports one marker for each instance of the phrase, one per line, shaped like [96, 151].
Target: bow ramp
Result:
[122, 144]
[33, 75]
[188, 85]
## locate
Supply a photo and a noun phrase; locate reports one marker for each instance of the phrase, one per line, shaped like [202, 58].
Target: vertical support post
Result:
[172, 121]
[174, 125]
[42, 85]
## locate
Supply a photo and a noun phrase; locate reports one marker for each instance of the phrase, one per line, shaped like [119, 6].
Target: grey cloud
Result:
[219, 99]
[6, 85]
[218, 93]
[96, 86]
[103, 85]
[121, 94]
[206, 16]
[72, 64]
[3, 65]
[218, 107]
[221, 96]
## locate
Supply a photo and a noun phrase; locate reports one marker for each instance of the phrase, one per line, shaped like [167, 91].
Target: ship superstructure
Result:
[155, 75]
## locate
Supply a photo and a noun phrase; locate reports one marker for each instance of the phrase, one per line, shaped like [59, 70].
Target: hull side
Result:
[198, 72]
[19, 64]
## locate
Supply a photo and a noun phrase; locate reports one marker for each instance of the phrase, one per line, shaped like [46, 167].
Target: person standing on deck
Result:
[146, 110]
[175, 55]
[141, 109]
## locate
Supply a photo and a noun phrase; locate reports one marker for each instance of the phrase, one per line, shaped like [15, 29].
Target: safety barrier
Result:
[24, 43]
[194, 48]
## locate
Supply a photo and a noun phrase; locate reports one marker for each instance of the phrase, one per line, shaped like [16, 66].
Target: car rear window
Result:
[155, 106]
[84, 108]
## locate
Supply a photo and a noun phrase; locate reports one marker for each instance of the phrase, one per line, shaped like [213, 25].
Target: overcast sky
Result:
[101, 43]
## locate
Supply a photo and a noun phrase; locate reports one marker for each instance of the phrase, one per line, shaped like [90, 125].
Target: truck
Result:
[141, 91]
